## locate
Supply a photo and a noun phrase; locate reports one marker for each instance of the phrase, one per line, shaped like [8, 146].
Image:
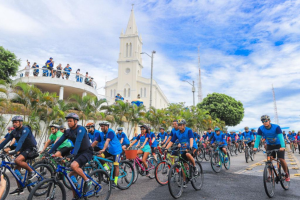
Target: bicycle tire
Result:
[163, 167]
[246, 155]
[284, 184]
[136, 171]
[126, 179]
[7, 186]
[197, 185]
[151, 166]
[102, 178]
[199, 156]
[214, 161]
[269, 183]
[44, 162]
[293, 148]
[48, 182]
[227, 163]
[175, 181]
[207, 154]
[252, 154]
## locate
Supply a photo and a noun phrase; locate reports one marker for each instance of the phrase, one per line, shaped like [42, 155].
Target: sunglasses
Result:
[143, 129]
[180, 124]
[264, 121]
[119, 130]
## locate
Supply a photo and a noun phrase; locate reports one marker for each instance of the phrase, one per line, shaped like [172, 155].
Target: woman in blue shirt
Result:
[145, 148]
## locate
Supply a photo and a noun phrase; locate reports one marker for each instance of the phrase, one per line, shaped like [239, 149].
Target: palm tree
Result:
[83, 105]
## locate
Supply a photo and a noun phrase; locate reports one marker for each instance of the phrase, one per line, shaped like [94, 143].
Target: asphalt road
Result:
[242, 181]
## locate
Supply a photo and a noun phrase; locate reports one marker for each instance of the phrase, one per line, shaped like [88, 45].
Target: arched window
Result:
[125, 92]
[130, 50]
[128, 92]
[114, 92]
[126, 49]
[141, 92]
[145, 93]
[110, 93]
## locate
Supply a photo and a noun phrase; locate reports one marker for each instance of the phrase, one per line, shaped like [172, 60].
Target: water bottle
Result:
[73, 178]
[18, 173]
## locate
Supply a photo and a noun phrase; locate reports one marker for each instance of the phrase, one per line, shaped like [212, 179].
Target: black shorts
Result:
[153, 149]
[50, 68]
[84, 157]
[12, 147]
[115, 158]
[183, 155]
[97, 148]
[65, 151]
[280, 154]
[27, 153]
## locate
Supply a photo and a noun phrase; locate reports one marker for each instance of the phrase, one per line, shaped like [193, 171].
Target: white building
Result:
[130, 82]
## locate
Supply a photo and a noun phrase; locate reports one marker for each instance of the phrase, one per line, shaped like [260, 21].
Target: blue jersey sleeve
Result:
[98, 138]
[110, 135]
[78, 141]
[223, 139]
[190, 134]
[58, 143]
[213, 139]
[123, 135]
[259, 132]
[138, 137]
[278, 130]
[174, 138]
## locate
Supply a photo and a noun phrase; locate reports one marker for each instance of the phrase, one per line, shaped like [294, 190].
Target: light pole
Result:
[151, 82]
[193, 90]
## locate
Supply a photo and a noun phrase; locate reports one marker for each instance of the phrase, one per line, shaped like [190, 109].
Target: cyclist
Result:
[210, 134]
[93, 133]
[221, 140]
[174, 129]
[112, 147]
[186, 141]
[154, 143]
[248, 135]
[83, 152]
[254, 133]
[26, 146]
[145, 149]
[291, 139]
[233, 139]
[284, 136]
[298, 140]
[162, 136]
[274, 140]
[168, 134]
[13, 144]
[65, 148]
[122, 137]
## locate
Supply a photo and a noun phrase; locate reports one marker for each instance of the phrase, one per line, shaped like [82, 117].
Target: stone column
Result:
[83, 94]
[61, 93]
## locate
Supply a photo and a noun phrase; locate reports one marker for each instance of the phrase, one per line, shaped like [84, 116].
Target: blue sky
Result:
[246, 46]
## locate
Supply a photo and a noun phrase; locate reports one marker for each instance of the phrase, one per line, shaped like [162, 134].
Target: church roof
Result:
[131, 26]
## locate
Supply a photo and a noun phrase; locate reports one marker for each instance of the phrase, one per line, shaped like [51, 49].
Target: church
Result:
[130, 84]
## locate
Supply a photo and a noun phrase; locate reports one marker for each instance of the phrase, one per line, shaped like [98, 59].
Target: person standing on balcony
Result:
[58, 70]
[36, 71]
[49, 65]
[27, 69]
[78, 76]
[67, 71]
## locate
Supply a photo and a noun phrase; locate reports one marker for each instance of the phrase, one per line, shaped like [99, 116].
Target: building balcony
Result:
[75, 84]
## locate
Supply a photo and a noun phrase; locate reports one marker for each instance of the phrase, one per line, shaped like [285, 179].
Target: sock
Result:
[116, 180]
[226, 156]
[106, 166]
[219, 162]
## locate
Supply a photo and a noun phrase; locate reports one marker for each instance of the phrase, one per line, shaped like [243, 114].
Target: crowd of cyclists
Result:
[79, 145]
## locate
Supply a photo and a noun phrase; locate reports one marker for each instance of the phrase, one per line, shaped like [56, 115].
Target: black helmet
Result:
[73, 116]
[181, 121]
[62, 127]
[246, 128]
[120, 129]
[55, 126]
[105, 123]
[264, 117]
[17, 118]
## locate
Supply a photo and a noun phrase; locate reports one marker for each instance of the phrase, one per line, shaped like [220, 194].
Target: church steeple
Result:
[131, 26]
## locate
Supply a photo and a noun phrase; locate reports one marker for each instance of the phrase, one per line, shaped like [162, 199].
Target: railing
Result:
[44, 72]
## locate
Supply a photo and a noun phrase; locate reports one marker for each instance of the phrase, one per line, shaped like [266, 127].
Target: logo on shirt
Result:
[24, 131]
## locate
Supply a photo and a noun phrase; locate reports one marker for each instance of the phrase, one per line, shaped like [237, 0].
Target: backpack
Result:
[149, 139]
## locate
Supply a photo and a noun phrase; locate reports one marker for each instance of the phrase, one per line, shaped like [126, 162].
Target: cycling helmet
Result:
[162, 128]
[120, 129]
[181, 121]
[105, 123]
[90, 124]
[217, 129]
[73, 116]
[168, 131]
[55, 126]
[246, 128]
[144, 126]
[10, 128]
[62, 127]
[264, 117]
[17, 118]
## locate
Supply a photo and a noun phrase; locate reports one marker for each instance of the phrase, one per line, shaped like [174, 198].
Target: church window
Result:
[128, 92]
[126, 49]
[125, 92]
[141, 92]
[130, 50]
[145, 93]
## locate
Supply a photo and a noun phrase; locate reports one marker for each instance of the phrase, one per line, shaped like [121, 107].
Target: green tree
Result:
[8, 64]
[224, 107]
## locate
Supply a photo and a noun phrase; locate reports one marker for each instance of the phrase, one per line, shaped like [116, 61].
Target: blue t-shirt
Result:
[184, 138]
[134, 138]
[210, 135]
[68, 69]
[271, 134]
[298, 138]
[152, 135]
[15, 144]
[221, 138]
[101, 135]
[241, 137]
[125, 138]
[291, 137]
[248, 136]
[114, 146]
[142, 139]
[162, 136]
[232, 136]
[49, 63]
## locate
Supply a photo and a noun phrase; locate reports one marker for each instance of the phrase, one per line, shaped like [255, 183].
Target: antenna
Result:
[199, 79]
[275, 106]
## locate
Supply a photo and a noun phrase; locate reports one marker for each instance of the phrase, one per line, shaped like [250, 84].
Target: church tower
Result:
[130, 60]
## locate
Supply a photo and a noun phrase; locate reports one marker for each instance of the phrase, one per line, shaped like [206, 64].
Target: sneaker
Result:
[113, 185]
[287, 178]
[195, 171]
[17, 191]
[32, 175]
[184, 185]
[87, 186]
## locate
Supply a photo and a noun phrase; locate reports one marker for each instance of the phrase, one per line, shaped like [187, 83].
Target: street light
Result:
[193, 90]
[153, 52]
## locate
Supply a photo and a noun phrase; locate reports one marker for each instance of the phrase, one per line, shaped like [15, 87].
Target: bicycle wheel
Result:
[197, 180]
[269, 181]
[136, 171]
[101, 184]
[230, 150]
[45, 172]
[227, 163]
[7, 186]
[284, 184]
[161, 172]
[215, 162]
[252, 154]
[151, 167]
[199, 156]
[207, 154]
[246, 155]
[54, 190]
[293, 148]
[175, 181]
[158, 158]
[126, 175]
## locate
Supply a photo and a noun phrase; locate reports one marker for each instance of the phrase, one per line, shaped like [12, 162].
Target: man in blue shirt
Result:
[83, 152]
[112, 147]
[49, 65]
[154, 143]
[93, 133]
[67, 71]
[233, 138]
[210, 134]
[220, 139]
[274, 139]
[284, 136]
[26, 146]
[162, 135]
[291, 139]
[122, 137]
[254, 134]
[248, 135]
[13, 144]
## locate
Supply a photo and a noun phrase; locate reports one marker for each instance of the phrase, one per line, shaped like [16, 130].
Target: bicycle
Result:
[292, 146]
[241, 146]
[232, 149]
[272, 176]
[22, 181]
[179, 172]
[200, 153]
[248, 152]
[101, 185]
[218, 159]
[207, 152]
